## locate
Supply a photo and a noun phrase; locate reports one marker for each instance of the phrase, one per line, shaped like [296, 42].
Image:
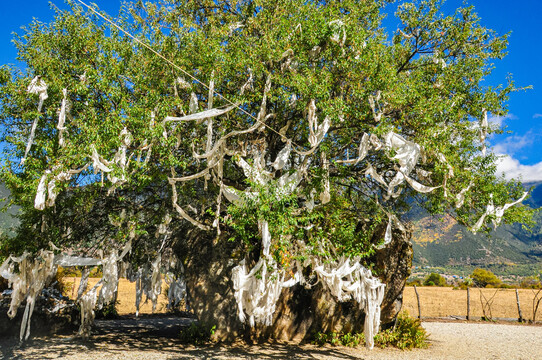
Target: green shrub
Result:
[336, 338]
[530, 282]
[484, 278]
[412, 282]
[197, 333]
[407, 334]
[108, 311]
[434, 279]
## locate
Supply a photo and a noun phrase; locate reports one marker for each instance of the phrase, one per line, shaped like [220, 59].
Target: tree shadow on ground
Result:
[113, 338]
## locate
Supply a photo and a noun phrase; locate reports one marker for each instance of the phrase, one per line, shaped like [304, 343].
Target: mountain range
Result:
[441, 241]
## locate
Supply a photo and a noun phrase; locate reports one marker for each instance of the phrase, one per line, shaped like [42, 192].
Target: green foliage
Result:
[108, 311]
[531, 282]
[197, 333]
[485, 278]
[333, 227]
[335, 338]
[434, 279]
[414, 281]
[407, 334]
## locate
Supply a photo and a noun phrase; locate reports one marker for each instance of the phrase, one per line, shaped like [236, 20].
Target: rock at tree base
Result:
[300, 312]
[208, 266]
[46, 319]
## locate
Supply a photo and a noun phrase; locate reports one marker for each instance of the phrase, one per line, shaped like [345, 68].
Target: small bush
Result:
[434, 279]
[412, 282]
[484, 278]
[530, 282]
[197, 333]
[336, 338]
[108, 312]
[407, 334]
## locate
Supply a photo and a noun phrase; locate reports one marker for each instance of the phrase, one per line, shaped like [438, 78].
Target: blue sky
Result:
[522, 147]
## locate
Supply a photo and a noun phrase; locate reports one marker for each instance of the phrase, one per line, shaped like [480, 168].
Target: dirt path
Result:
[155, 338]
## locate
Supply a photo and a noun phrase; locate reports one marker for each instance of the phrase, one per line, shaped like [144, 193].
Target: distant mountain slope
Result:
[441, 241]
[535, 201]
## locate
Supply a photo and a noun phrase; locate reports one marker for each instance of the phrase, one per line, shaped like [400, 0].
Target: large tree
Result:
[293, 130]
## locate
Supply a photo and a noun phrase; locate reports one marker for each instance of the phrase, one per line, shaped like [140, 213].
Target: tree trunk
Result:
[392, 265]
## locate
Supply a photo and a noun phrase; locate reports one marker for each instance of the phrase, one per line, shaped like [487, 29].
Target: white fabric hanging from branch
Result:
[325, 196]
[98, 162]
[338, 32]
[37, 86]
[27, 283]
[348, 281]
[496, 211]
[209, 143]
[258, 290]
[180, 210]
[460, 197]
[193, 104]
[375, 175]
[266, 237]
[419, 187]
[87, 303]
[364, 147]
[202, 114]
[253, 173]
[176, 291]
[373, 100]
[110, 280]
[483, 131]
[283, 156]
[388, 234]
[49, 189]
[248, 85]
[62, 118]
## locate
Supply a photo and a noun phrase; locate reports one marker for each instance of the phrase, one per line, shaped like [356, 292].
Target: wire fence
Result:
[474, 303]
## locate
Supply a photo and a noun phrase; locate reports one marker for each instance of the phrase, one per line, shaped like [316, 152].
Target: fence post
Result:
[520, 319]
[419, 307]
[468, 303]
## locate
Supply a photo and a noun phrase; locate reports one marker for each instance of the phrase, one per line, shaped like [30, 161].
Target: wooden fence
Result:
[488, 303]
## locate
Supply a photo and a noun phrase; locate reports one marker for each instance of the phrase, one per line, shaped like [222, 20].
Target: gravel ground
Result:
[154, 338]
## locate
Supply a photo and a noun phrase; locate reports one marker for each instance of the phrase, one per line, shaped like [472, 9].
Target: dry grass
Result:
[435, 301]
[444, 301]
[126, 296]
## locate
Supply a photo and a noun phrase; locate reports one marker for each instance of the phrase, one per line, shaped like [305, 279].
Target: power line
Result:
[178, 67]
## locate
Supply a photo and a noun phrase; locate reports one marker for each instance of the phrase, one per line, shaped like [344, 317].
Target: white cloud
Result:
[499, 120]
[512, 168]
[535, 116]
[514, 143]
